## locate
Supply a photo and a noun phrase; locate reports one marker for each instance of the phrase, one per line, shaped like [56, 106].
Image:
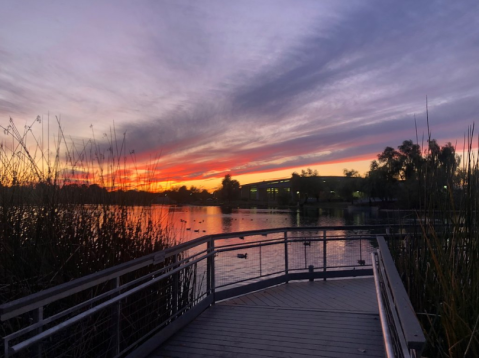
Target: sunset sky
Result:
[256, 89]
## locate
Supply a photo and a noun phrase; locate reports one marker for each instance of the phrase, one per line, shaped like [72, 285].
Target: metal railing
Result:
[131, 308]
[403, 336]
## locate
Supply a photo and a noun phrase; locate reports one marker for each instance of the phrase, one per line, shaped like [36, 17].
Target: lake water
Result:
[190, 222]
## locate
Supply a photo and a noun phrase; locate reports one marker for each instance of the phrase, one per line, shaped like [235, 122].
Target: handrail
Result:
[388, 345]
[39, 299]
[95, 309]
[404, 317]
[216, 284]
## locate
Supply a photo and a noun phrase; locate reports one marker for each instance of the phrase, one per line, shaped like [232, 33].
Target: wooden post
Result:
[37, 317]
[311, 273]
[286, 266]
[324, 254]
[115, 318]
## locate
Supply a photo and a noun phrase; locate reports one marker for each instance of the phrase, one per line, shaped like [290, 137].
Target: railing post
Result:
[174, 292]
[115, 317]
[260, 261]
[37, 317]
[5, 348]
[324, 254]
[360, 251]
[286, 266]
[210, 271]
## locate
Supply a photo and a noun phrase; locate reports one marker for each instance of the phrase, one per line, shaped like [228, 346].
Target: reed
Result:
[440, 266]
[63, 212]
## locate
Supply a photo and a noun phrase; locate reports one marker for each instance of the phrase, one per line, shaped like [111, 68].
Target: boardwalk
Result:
[334, 318]
[141, 308]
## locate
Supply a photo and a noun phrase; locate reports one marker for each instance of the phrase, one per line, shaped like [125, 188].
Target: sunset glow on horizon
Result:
[194, 90]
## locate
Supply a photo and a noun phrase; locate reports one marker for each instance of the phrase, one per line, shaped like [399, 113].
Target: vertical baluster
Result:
[260, 260]
[5, 348]
[286, 266]
[305, 259]
[208, 269]
[174, 291]
[213, 273]
[115, 318]
[211, 268]
[324, 255]
[37, 317]
[360, 251]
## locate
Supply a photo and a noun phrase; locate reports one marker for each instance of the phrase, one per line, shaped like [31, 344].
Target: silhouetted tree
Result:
[410, 160]
[378, 182]
[416, 173]
[390, 160]
[351, 173]
[230, 189]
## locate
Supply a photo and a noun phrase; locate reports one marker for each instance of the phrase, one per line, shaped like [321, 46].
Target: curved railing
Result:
[133, 307]
[403, 336]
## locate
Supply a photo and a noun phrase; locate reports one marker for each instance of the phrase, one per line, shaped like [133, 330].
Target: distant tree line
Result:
[95, 194]
[183, 195]
[406, 173]
[73, 194]
[228, 192]
[401, 175]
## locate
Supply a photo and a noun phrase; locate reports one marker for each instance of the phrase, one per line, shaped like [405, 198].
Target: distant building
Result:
[267, 191]
[272, 190]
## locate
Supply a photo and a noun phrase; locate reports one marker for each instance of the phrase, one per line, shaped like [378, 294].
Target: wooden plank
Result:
[159, 338]
[330, 274]
[338, 297]
[280, 352]
[367, 343]
[332, 294]
[303, 314]
[366, 327]
[309, 343]
[356, 328]
[290, 320]
[324, 346]
[236, 291]
[273, 334]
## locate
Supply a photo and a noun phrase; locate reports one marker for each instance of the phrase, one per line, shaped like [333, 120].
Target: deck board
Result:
[330, 319]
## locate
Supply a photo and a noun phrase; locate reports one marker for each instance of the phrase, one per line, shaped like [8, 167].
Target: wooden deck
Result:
[334, 318]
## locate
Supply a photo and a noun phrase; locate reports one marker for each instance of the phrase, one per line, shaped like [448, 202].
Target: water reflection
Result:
[189, 222]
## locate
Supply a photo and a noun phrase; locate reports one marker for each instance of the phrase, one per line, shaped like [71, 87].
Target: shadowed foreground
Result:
[335, 318]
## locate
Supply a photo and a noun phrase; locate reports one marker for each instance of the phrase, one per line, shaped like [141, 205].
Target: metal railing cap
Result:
[410, 325]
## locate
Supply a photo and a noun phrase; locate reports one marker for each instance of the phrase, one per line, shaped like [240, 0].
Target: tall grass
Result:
[62, 215]
[440, 267]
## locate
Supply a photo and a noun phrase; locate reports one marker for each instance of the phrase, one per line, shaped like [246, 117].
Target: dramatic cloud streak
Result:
[248, 87]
